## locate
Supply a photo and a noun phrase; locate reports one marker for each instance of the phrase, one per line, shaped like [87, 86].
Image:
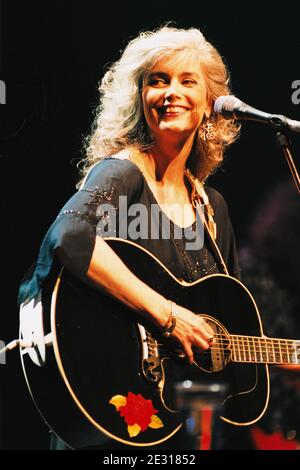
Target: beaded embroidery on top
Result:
[98, 196]
[80, 214]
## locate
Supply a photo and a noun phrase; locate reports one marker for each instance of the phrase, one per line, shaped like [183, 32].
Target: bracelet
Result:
[171, 322]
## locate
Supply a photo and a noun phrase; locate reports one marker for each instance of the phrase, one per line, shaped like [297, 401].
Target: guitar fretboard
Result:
[264, 350]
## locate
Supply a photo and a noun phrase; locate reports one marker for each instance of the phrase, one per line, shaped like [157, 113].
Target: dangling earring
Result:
[207, 131]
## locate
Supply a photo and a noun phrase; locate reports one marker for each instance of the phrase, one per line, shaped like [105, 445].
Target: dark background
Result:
[52, 55]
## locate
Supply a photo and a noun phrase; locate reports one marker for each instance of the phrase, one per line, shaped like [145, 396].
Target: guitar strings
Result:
[263, 349]
[251, 352]
[257, 338]
[258, 343]
[255, 344]
[240, 348]
[248, 348]
[244, 344]
[252, 358]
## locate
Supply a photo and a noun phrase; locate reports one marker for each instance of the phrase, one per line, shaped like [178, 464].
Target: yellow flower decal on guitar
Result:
[138, 413]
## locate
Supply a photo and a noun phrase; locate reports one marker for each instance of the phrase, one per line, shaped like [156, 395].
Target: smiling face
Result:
[175, 98]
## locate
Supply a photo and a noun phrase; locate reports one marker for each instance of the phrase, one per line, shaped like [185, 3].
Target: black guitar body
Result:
[97, 354]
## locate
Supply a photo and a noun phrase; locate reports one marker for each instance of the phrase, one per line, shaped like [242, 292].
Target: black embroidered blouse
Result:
[114, 194]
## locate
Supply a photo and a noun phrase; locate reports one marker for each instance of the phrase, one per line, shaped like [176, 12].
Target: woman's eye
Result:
[157, 82]
[189, 81]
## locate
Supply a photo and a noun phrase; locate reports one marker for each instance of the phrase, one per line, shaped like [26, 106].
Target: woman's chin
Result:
[174, 128]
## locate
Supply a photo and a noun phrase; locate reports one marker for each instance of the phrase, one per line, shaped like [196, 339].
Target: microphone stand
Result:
[284, 143]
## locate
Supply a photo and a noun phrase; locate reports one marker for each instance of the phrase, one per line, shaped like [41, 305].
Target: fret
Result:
[274, 351]
[253, 350]
[293, 353]
[233, 354]
[297, 344]
[248, 349]
[241, 348]
[258, 349]
[285, 351]
[264, 349]
[237, 349]
[278, 351]
[296, 356]
[270, 350]
[237, 345]
[290, 351]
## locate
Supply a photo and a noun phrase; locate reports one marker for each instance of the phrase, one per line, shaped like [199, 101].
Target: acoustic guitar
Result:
[99, 372]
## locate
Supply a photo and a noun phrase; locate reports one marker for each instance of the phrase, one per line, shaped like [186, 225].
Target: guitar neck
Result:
[256, 349]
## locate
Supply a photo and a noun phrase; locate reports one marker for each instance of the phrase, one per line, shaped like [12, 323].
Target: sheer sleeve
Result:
[93, 210]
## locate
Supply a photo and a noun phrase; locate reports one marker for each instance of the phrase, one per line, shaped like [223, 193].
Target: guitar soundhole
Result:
[217, 356]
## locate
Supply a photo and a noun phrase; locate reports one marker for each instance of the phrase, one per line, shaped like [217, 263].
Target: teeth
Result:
[173, 109]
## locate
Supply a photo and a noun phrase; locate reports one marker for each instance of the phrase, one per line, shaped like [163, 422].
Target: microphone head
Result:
[226, 103]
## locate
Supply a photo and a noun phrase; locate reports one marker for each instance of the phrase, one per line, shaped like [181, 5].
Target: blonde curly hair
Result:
[120, 122]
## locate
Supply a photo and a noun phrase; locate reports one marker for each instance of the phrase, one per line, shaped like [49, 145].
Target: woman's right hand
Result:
[192, 332]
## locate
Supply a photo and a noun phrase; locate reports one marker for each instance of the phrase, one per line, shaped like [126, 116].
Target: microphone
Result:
[232, 108]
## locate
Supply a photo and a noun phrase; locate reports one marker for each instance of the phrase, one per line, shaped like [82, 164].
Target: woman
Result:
[155, 120]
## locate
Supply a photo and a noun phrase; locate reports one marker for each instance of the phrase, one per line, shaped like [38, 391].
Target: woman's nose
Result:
[172, 91]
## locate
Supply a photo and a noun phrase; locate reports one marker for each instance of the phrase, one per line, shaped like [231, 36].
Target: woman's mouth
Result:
[172, 110]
